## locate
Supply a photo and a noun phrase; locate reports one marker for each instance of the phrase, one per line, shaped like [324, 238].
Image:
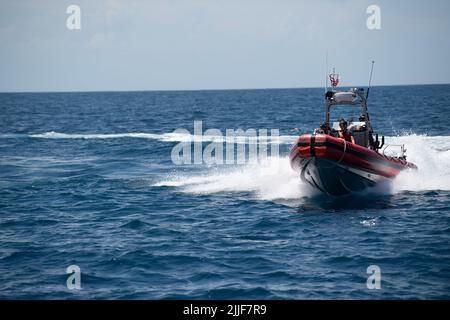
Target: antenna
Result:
[370, 80]
[326, 72]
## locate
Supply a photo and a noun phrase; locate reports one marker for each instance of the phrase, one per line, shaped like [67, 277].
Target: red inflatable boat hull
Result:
[338, 167]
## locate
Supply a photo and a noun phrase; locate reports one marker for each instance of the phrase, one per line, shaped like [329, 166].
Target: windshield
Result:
[350, 114]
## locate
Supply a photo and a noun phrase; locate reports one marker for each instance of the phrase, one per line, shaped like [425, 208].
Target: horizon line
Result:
[221, 89]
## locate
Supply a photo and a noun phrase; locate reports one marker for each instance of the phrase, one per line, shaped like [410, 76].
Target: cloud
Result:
[195, 44]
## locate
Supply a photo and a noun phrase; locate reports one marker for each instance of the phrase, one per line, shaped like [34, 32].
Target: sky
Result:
[219, 44]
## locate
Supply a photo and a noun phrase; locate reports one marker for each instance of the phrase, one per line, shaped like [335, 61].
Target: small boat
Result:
[336, 164]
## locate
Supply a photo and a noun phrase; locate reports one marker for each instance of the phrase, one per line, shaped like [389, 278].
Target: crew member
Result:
[344, 133]
[324, 128]
[361, 127]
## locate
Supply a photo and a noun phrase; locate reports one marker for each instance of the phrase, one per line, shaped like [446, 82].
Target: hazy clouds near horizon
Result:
[219, 44]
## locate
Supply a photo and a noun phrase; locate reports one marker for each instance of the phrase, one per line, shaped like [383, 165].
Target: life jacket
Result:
[345, 135]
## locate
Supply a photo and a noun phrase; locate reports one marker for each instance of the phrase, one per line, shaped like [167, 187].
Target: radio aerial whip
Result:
[326, 72]
[370, 80]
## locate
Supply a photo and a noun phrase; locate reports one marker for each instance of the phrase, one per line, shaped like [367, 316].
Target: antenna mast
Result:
[326, 72]
[370, 80]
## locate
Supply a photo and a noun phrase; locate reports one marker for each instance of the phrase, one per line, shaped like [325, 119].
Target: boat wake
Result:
[273, 179]
[164, 137]
[432, 157]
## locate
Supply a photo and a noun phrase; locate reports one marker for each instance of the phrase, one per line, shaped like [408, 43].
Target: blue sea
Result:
[87, 179]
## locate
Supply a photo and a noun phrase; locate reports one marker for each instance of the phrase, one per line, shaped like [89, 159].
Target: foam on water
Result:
[271, 179]
[165, 137]
[432, 156]
[142, 135]
[274, 179]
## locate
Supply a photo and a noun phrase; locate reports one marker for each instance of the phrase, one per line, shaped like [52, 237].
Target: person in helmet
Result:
[324, 128]
[344, 133]
[361, 127]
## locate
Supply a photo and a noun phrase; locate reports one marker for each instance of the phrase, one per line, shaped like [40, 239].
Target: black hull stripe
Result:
[312, 150]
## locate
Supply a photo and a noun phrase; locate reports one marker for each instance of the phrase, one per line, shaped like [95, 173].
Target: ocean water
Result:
[87, 179]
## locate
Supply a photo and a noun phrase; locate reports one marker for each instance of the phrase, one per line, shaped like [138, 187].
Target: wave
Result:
[169, 137]
[432, 156]
[165, 137]
[273, 178]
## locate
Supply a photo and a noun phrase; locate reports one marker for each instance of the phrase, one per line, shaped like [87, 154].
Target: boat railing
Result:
[401, 146]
